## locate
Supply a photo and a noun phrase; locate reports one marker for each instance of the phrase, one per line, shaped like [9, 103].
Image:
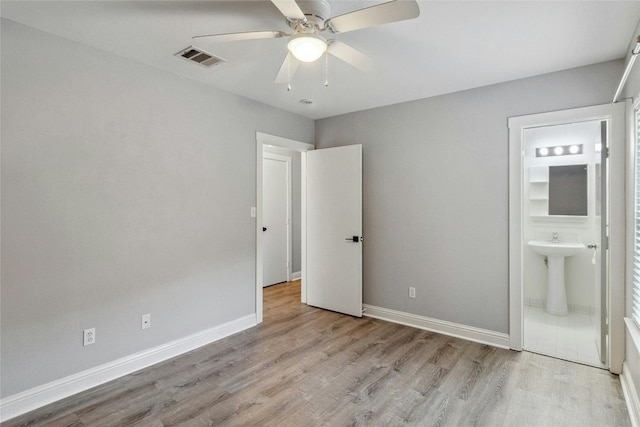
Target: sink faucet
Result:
[554, 237]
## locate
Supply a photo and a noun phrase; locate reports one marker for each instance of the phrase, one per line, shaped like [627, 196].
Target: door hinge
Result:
[606, 152]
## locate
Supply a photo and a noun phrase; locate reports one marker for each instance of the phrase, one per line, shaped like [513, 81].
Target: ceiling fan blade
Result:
[385, 13]
[351, 56]
[249, 35]
[287, 71]
[290, 9]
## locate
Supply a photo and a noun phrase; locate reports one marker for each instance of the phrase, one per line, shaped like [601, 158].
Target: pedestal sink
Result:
[555, 253]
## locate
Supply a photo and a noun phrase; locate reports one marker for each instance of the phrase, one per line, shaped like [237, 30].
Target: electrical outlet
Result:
[146, 321]
[89, 336]
[412, 292]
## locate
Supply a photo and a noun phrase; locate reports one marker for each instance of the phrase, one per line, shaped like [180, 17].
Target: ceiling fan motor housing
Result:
[316, 12]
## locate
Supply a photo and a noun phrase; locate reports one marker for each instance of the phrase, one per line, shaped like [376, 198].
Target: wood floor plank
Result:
[305, 366]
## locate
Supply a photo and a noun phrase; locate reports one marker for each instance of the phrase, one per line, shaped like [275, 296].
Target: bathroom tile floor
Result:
[571, 337]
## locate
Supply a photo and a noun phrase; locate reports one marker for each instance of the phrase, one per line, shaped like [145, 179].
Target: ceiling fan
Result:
[309, 19]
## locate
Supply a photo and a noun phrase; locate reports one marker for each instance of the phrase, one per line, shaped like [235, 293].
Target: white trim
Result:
[296, 275]
[629, 388]
[630, 395]
[302, 147]
[42, 395]
[303, 227]
[259, 225]
[278, 141]
[617, 236]
[288, 160]
[457, 330]
[633, 331]
[516, 154]
[617, 239]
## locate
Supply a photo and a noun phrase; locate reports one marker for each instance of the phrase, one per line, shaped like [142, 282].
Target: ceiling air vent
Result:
[193, 54]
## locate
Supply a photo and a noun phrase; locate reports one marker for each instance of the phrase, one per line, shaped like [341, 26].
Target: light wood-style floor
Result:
[309, 367]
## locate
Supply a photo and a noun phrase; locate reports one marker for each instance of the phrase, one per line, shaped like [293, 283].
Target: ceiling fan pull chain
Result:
[326, 68]
[288, 72]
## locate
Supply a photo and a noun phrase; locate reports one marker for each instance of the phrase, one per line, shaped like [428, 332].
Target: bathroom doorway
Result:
[566, 285]
[564, 312]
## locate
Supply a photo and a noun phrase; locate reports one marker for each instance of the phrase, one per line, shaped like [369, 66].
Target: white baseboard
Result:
[295, 276]
[457, 330]
[42, 395]
[630, 395]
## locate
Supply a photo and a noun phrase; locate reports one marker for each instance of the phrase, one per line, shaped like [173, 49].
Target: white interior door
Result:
[334, 229]
[602, 262]
[275, 219]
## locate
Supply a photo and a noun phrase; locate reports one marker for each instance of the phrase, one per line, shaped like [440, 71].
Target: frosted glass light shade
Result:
[307, 47]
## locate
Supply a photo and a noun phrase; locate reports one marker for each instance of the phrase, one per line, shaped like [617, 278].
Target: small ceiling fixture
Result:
[307, 47]
[306, 101]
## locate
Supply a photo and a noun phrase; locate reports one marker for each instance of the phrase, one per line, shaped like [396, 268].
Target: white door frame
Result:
[615, 114]
[276, 141]
[287, 160]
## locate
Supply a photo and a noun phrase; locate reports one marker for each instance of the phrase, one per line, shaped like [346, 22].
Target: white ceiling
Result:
[452, 46]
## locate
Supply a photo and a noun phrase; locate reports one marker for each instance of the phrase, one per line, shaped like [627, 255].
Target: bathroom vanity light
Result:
[559, 150]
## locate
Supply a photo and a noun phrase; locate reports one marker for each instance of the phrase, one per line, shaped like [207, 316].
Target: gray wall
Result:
[296, 195]
[435, 191]
[125, 190]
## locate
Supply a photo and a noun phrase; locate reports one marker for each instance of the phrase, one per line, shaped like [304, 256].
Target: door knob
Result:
[264, 228]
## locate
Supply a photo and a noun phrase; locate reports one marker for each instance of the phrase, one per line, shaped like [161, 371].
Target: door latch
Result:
[355, 239]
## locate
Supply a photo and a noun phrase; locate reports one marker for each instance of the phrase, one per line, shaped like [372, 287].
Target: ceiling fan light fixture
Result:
[307, 47]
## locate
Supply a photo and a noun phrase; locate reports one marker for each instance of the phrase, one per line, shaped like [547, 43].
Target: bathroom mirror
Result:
[568, 190]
